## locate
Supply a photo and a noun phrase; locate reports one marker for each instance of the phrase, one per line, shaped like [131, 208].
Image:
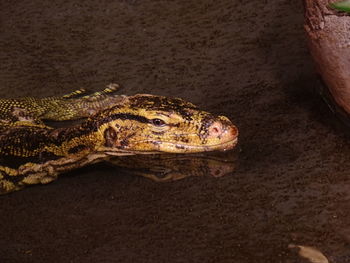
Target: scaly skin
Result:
[67, 107]
[32, 153]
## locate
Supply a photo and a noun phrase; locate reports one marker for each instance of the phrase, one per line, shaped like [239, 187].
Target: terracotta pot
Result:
[328, 34]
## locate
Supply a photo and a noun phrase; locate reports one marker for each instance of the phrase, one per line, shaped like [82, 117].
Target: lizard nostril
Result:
[215, 129]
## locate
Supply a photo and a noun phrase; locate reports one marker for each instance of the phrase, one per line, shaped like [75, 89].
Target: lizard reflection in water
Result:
[172, 167]
[31, 152]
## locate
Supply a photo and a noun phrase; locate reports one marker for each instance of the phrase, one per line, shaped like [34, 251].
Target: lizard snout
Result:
[222, 131]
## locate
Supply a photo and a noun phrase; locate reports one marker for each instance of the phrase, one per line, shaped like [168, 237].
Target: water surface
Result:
[287, 198]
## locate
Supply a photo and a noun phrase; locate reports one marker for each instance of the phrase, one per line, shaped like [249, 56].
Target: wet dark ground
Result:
[246, 60]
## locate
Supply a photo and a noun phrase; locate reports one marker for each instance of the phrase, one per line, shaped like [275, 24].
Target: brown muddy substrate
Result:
[248, 61]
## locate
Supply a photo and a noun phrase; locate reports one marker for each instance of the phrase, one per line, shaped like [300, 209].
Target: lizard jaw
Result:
[172, 147]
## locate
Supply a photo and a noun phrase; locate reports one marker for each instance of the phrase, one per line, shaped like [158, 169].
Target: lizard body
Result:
[32, 152]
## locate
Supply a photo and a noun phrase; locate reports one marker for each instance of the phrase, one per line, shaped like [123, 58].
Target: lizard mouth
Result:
[186, 148]
[171, 147]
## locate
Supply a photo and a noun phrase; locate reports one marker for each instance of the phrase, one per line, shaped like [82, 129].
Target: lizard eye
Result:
[158, 122]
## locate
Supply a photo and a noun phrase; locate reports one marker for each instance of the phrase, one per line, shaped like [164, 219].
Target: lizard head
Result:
[150, 124]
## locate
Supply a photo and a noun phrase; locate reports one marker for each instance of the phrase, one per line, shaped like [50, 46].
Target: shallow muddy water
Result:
[282, 196]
